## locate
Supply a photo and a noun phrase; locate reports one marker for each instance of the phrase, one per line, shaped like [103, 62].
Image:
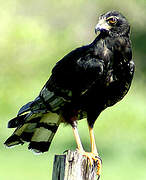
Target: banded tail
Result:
[35, 124]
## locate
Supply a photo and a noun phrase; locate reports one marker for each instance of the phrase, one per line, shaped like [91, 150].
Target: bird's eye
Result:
[112, 20]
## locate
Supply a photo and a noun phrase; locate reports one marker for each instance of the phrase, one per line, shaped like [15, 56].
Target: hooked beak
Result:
[102, 26]
[97, 28]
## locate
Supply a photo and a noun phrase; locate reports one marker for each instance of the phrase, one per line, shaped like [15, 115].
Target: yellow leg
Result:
[93, 155]
[94, 152]
[92, 140]
[77, 138]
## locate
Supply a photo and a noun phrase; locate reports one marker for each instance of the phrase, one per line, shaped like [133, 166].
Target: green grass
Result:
[34, 36]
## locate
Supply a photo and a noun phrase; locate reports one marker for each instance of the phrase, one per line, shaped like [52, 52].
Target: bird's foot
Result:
[93, 159]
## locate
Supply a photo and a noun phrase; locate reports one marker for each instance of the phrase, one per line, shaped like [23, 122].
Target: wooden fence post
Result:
[73, 166]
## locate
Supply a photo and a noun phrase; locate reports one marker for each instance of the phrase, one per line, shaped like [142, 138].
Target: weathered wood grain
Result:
[73, 166]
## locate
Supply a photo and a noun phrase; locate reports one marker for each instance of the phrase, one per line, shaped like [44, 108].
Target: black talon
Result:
[98, 177]
[100, 159]
[65, 151]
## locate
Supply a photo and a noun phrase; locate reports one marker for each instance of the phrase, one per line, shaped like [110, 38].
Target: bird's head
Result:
[113, 23]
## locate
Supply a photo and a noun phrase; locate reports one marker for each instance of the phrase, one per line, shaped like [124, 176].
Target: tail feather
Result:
[39, 147]
[25, 108]
[17, 121]
[28, 132]
[44, 132]
[34, 124]
[13, 140]
[39, 132]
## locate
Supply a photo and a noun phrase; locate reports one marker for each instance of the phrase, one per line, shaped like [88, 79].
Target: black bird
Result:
[83, 83]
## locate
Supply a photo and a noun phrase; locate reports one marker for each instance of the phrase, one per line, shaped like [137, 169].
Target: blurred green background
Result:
[34, 35]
